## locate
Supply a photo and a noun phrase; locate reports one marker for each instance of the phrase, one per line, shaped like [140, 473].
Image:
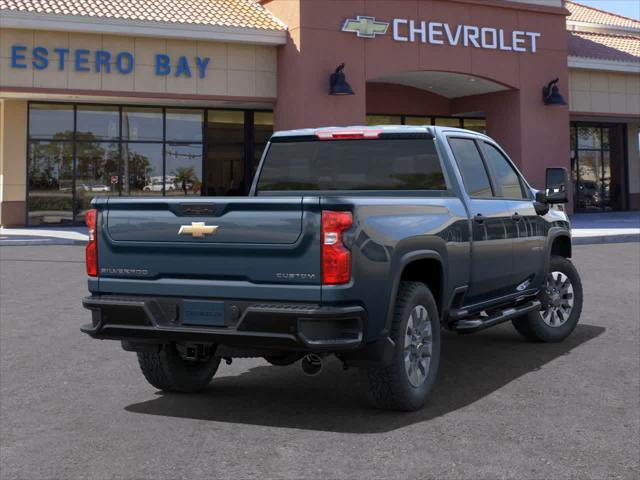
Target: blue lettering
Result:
[40, 60]
[163, 64]
[125, 62]
[103, 60]
[183, 67]
[62, 52]
[16, 56]
[82, 57]
[202, 64]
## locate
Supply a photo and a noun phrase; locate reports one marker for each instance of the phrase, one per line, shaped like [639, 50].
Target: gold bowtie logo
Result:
[197, 229]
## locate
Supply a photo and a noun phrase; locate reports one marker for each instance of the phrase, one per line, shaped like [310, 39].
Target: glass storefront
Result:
[598, 167]
[77, 152]
[475, 124]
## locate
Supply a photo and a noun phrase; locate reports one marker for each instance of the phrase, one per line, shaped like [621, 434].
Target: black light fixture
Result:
[551, 94]
[338, 83]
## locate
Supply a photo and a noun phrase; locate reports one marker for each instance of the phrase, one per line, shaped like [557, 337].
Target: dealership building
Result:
[179, 97]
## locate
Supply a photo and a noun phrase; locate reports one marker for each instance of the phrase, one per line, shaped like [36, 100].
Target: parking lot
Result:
[72, 407]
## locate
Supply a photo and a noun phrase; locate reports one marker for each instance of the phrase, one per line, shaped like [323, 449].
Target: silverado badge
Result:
[197, 229]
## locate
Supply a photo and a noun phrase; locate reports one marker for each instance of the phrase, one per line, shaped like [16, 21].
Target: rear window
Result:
[384, 164]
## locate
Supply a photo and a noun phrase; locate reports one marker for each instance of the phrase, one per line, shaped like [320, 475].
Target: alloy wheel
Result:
[418, 342]
[560, 298]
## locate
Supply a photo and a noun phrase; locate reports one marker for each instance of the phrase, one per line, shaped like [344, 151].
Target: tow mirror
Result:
[556, 186]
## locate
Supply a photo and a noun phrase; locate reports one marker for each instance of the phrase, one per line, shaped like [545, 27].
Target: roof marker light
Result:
[348, 134]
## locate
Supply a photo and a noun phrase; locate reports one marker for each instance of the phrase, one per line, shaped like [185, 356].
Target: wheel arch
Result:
[427, 270]
[561, 246]
[558, 243]
[418, 266]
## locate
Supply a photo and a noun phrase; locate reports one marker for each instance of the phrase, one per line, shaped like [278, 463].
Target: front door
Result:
[530, 228]
[492, 226]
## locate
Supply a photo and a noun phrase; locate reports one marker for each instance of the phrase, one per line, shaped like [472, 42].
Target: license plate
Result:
[203, 313]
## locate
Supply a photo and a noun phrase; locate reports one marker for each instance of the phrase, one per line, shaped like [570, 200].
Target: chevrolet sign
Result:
[365, 27]
[437, 33]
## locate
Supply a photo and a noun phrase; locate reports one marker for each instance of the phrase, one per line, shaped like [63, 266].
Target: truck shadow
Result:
[471, 368]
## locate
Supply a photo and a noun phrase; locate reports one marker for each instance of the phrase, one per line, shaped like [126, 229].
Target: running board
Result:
[476, 324]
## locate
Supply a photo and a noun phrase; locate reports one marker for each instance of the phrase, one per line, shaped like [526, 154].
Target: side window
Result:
[474, 174]
[505, 176]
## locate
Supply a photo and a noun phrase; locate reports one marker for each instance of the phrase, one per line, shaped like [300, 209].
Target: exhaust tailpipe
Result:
[311, 364]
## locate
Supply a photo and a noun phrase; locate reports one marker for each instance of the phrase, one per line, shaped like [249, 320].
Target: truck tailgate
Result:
[213, 247]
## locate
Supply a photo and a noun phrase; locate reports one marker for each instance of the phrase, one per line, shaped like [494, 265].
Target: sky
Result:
[628, 8]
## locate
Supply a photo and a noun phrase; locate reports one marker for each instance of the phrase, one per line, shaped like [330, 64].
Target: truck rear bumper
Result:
[280, 326]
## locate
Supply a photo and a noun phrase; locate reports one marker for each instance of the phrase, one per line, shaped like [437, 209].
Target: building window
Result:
[384, 120]
[78, 152]
[419, 121]
[142, 124]
[51, 122]
[50, 172]
[448, 122]
[263, 129]
[598, 166]
[475, 124]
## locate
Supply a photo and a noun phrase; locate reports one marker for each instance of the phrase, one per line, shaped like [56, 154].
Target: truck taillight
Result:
[336, 259]
[92, 247]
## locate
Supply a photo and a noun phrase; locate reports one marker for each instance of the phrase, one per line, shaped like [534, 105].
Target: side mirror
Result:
[556, 186]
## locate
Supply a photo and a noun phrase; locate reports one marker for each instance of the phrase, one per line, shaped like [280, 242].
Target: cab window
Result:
[505, 176]
[474, 174]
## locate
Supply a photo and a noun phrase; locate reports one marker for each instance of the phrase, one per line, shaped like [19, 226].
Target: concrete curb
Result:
[606, 239]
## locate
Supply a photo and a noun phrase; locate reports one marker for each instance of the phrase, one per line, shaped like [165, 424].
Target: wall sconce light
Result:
[338, 83]
[551, 94]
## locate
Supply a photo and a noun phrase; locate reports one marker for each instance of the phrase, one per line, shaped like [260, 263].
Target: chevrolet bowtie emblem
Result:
[197, 229]
[365, 27]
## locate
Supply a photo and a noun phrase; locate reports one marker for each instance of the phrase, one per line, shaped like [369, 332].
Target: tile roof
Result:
[624, 48]
[582, 13]
[223, 13]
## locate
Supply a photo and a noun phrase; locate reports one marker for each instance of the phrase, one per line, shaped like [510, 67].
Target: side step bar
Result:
[476, 324]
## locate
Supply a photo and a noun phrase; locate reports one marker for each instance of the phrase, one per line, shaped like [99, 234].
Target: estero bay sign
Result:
[98, 61]
[439, 33]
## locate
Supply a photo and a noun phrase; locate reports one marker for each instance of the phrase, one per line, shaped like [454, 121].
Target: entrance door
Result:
[225, 158]
[235, 140]
[598, 167]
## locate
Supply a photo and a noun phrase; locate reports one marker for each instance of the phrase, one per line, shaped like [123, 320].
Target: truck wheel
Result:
[406, 382]
[562, 305]
[167, 370]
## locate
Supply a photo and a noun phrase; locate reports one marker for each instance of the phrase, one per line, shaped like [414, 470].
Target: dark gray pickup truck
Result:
[361, 242]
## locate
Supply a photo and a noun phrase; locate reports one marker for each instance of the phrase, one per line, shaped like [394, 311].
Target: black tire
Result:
[167, 370]
[390, 386]
[533, 325]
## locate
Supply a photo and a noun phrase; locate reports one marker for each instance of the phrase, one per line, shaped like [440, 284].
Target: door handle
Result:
[479, 218]
[516, 217]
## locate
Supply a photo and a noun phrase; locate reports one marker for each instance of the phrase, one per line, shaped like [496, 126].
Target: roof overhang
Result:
[576, 26]
[584, 63]
[101, 25]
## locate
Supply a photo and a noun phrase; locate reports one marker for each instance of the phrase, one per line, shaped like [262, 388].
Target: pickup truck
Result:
[359, 242]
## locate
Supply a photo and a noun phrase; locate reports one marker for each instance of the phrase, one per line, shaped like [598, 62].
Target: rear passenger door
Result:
[492, 226]
[530, 228]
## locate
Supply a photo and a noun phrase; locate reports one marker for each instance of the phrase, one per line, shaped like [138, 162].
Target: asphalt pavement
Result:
[72, 407]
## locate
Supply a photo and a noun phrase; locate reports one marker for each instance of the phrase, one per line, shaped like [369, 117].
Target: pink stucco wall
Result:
[534, 135]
